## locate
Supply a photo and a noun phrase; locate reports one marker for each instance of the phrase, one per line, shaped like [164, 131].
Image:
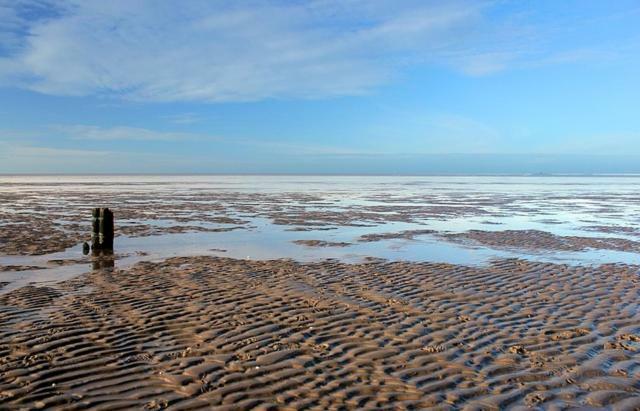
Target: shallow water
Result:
[559, 205]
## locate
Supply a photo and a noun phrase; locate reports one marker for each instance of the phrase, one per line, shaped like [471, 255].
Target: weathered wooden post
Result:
[95, 228]
[102, 229]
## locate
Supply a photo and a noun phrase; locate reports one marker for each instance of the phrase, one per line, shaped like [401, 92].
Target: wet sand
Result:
[203, 332]
[407, 235]
[46, 214]
[321, 243]
[541, 240]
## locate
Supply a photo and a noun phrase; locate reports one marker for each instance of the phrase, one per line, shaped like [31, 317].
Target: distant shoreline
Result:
[321, 174]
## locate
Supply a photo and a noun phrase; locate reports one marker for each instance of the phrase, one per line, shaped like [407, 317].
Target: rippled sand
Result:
[208, 332]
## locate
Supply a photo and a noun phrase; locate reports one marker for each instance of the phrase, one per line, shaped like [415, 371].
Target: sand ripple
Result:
[205, 333]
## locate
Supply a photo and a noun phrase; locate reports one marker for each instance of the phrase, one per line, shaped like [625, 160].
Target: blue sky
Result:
[324, 86]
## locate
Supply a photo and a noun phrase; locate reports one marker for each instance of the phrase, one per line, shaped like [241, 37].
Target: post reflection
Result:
[102, 259]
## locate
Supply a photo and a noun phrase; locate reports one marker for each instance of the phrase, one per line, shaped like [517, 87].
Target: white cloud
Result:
[228, 51]
[216, 50]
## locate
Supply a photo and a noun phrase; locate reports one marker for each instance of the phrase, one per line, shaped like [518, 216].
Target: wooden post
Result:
[102, 229]
[106, 229]
[95, 229]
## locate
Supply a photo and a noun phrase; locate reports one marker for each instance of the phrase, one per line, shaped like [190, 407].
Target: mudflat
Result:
[321, 293]
[202, 332]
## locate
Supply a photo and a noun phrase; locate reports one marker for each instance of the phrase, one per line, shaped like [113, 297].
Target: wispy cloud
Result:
[20, 142]
[18, 151]
[239, 51]
[184, 118]
[85, 132]
[41, 158]
[33, 151]
[124, 133]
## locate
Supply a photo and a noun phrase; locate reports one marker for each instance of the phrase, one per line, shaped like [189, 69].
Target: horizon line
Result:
[541, 174]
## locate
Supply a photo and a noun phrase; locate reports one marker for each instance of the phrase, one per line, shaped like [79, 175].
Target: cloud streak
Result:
[46, 152]
[84, 132]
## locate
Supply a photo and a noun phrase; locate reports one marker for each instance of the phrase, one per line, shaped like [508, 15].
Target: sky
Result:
[320, 86]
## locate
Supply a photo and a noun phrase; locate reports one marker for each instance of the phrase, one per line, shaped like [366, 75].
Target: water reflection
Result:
[103, 260]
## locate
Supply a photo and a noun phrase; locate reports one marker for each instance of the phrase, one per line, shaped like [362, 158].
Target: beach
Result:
[319, 205]
[321, 293]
